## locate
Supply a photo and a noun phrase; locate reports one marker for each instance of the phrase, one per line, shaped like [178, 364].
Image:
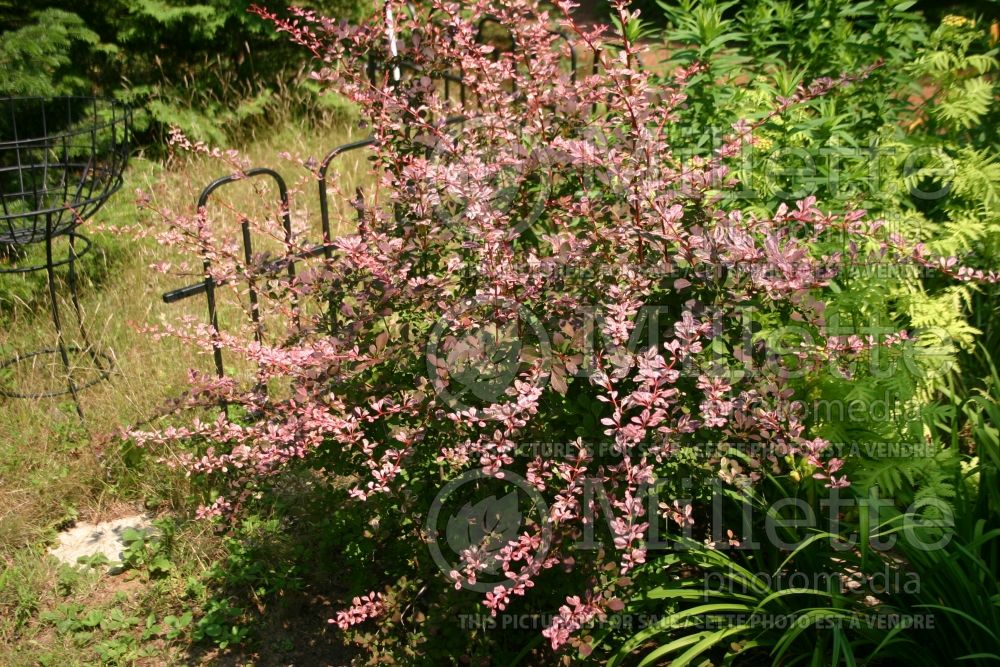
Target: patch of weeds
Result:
[70, 434]
[149, 551]
[219, 624]
[94, 561]
[120, 650]
[68, 517]
[22, 581]
[68, 580]
[25, 606]
[73, 618]
[108, 632]
[173, 627]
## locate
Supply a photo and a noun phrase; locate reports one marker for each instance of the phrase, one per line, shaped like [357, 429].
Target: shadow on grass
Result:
[290, 566]
[282, 573]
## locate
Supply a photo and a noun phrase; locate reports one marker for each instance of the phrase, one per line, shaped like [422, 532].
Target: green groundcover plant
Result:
[564, 336]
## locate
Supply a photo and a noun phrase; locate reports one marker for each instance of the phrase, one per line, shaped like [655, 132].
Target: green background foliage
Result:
[209, 67]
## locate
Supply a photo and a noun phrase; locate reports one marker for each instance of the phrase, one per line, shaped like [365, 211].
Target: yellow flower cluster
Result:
[956, 21]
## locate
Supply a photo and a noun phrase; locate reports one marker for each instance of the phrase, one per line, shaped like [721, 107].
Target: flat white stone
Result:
[90, 539]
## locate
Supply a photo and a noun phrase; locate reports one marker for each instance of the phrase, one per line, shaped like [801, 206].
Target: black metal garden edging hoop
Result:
[61, 158]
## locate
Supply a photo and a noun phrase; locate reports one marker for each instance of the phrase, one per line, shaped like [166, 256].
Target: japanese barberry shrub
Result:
[546, 270]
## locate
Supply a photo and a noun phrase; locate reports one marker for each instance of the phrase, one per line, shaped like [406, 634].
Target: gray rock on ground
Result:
[89, 539]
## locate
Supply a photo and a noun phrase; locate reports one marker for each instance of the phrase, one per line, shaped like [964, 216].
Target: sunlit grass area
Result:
[56, 468]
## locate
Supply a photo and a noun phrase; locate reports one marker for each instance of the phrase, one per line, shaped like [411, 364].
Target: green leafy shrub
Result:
[926, 122]
[206, 66]
[38, 58]
[914, 144]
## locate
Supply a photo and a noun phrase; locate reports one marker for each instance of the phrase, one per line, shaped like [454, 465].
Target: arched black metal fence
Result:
[452, 83]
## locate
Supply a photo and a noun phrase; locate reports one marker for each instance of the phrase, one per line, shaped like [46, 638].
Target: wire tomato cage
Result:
[61, 158]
